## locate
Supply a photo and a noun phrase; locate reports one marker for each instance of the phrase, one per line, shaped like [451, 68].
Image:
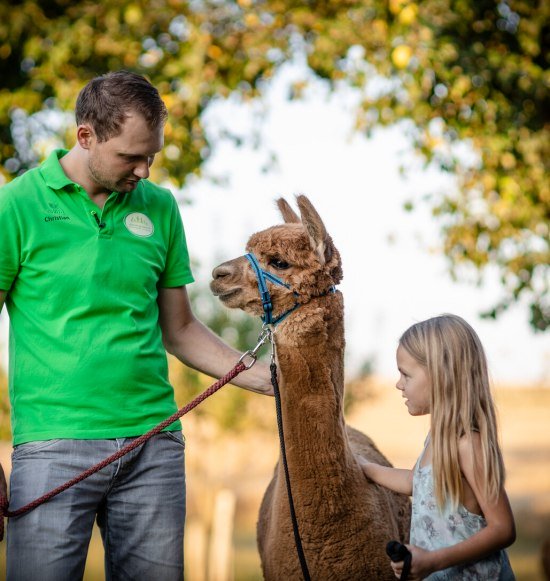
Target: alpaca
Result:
[344, 519]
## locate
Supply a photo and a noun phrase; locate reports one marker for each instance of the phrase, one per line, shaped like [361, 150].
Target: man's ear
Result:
[85, 135]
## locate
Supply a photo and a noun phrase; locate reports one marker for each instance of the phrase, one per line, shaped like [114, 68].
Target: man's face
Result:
[119, 163]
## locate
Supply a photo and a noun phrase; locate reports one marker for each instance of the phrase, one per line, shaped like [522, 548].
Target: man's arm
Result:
[185, 337]
[3, 485]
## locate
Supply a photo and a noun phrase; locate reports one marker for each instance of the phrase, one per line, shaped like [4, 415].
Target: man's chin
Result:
[127, 186]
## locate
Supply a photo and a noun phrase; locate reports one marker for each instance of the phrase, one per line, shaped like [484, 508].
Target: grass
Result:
[244, 464]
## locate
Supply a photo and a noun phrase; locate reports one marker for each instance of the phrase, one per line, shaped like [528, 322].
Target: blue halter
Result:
[263, 277]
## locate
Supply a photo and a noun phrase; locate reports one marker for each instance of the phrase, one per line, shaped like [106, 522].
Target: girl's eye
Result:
[278, 264]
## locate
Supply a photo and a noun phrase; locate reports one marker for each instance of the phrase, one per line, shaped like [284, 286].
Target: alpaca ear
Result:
[289, 215]
[318, 237]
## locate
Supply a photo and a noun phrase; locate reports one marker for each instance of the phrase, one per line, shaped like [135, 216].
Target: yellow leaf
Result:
[5, 51]
[397, 5]
[508, 160]
[408, 15]
[214, 52]
[251, 20]
[401, 55]
[133, 14]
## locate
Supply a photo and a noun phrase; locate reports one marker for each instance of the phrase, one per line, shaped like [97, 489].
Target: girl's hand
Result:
[421, 565]
[364, 463]
[368, 467]
[395, 479]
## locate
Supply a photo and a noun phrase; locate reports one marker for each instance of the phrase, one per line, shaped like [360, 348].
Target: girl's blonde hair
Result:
[461, 403]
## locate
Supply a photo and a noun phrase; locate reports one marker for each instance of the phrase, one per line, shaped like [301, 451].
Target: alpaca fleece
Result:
[345, 520]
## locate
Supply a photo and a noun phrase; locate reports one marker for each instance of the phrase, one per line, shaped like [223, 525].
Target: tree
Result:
[457, 71]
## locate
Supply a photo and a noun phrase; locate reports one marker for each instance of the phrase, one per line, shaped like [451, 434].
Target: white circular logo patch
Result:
[139, 224]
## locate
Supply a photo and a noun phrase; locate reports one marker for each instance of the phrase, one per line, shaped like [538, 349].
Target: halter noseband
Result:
[262, 276]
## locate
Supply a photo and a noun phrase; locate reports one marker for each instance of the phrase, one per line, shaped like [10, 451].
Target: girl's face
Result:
[413, 382]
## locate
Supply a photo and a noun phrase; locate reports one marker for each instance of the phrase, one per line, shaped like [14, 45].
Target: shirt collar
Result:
[53, 173]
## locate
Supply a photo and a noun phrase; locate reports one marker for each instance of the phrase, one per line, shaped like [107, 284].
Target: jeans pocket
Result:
[177, 437]
[29, 448]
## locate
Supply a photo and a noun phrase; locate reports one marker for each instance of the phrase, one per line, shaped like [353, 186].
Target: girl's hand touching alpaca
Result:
[396, 479]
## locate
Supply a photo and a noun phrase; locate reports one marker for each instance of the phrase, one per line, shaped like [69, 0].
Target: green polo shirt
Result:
[86, 353]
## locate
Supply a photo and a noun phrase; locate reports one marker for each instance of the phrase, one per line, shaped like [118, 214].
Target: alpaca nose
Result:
[222, 270]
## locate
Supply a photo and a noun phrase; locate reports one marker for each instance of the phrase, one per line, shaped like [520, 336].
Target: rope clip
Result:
[265, 335]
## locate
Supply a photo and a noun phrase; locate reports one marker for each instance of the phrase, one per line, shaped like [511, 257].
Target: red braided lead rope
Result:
[4, 512]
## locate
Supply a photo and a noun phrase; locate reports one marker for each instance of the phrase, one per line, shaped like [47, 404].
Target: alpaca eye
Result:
[278, 264]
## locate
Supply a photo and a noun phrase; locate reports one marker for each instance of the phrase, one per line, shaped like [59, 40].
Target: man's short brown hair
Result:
[106, 101]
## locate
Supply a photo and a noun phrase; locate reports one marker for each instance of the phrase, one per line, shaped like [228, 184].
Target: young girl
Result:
[461, 518]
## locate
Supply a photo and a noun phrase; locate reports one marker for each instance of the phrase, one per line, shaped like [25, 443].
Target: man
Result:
[93, 268]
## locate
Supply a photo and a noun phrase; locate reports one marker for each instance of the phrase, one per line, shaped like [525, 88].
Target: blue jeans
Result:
[139, 502]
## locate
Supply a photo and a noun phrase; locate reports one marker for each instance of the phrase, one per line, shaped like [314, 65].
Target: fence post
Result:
[220, 559]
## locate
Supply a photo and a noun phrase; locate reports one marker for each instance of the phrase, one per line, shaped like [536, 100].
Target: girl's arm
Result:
[499, 533]
[396, 479]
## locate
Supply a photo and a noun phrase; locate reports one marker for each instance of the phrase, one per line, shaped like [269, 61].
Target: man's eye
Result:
[278, 264]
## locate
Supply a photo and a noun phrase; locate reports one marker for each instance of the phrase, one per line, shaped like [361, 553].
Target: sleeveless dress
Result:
[432, 530]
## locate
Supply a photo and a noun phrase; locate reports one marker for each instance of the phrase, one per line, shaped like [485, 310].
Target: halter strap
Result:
[262, 277]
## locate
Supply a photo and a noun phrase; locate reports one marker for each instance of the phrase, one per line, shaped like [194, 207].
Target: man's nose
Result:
[142, 170]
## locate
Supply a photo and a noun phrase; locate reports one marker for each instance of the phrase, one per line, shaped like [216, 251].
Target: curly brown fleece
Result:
[345, 521]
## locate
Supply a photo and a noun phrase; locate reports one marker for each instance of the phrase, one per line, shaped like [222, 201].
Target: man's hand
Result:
[4, 500]
[3, 484]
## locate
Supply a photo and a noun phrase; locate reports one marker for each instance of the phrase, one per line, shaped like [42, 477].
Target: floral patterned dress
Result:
[432, 529]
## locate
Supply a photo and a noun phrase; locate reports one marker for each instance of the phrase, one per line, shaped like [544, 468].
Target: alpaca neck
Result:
[310, 354]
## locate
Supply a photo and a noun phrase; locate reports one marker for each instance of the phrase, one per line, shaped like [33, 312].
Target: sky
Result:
[394, 271]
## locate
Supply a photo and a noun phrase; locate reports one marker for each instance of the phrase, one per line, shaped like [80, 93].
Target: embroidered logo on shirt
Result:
[139, 224]
[56, 213]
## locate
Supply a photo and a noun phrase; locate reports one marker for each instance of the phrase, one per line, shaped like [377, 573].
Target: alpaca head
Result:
[299, 252]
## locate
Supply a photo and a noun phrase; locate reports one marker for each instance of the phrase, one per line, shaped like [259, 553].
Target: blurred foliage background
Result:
[466, 80]
[458, 75]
